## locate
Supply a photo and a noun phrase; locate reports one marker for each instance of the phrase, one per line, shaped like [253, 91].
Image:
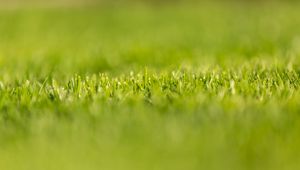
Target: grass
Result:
[195, 86]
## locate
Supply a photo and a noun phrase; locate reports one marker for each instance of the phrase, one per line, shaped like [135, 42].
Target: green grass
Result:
[195, 86]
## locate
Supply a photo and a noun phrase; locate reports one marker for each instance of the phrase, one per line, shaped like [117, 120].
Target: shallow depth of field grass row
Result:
[259, 84]
[184, 91]
[189, 86]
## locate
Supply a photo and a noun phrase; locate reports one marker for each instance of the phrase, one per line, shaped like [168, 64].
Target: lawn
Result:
[147, 86]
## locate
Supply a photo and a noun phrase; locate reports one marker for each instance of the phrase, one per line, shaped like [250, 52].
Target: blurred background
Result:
[102, 2]
[66, 37]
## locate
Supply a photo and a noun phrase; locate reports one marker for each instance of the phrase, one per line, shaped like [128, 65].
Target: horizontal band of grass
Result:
[259, 83]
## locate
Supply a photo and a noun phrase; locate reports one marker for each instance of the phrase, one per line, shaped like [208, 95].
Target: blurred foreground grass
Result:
[195, 86]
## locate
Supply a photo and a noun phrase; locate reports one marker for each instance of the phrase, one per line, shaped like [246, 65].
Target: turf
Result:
[190, 86]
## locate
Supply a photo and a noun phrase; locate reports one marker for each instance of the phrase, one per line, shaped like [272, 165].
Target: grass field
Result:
[186, 86]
